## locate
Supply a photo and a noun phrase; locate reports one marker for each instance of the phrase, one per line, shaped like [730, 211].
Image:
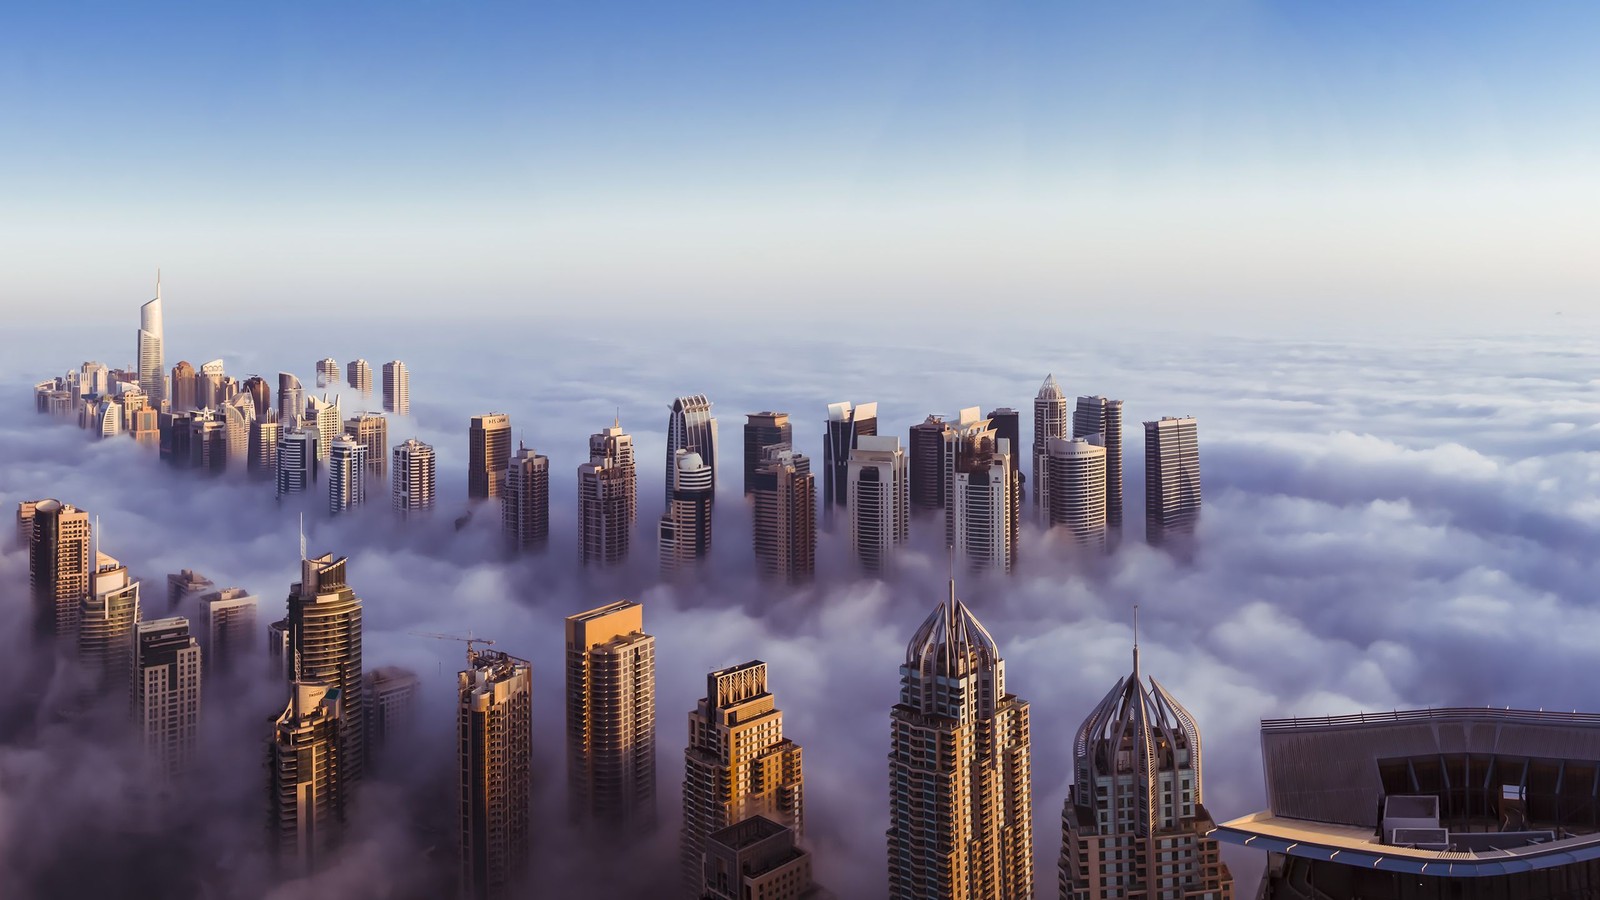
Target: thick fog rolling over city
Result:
[1399, 522]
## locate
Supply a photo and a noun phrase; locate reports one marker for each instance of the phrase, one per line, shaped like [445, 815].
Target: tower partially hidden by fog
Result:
[413, 478]
[738, 764]
[59, 565]
[1077, 472]
[305, 781]
[291, 401]
[608, 497]
[488, 452]
[1133, 824]
[684, 532]
[611, 720]
[525, 502]
[763, 430]
[847, 424]
[691, 427]
[396, 388]
[152, 373]
[1171, 479]
[1049, 421]
[297, 460]
[1097, 415]
[325, 647]
[979, 494]
[784, 528]
[879, 499]
[961, 802]
[347, 475]
[166, 691]
[372, 430]
[359, 375]
[925, 453]
[494, 730]
[106, 619]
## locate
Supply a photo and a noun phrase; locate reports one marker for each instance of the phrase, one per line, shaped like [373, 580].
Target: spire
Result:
[158, 283]
[302, 537]
[1136, 643]
[617, 422]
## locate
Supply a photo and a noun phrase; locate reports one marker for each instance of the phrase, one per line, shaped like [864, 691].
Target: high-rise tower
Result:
[738, 763]
[1133, 824]
[611, 719]
[327, 371]
[880, 511]
[488, 451]
[412, 489]
[260, 396]
[979, 494]
[396, 388]
[184, 387]
[926, 457]
[525, 503]
[494, 721]
[1171, 479]
[297, 460]
[684, 533]
[1008, 427]
[291, 401]
[105, 629]
[323, 415]
[960, 817]
[306, 784]
[372, 430]
[152, 373]
[166, 691]
[1050, 420]
[691, 427]
[1097, 415]
[847, 424]
[608, 497]
[227, 625]
[325, 646]
[785, 523]
[763, 430]
[359, 375]
[1077, 472]
[58, 566]
[347, 475]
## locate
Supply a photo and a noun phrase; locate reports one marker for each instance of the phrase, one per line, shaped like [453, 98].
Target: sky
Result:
[1286, 164]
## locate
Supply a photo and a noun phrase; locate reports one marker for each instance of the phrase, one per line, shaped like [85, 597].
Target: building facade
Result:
[757, 859]
[847, 424]
[325, 648]
[1077, 471]
[106, 619]
[1050, 420]
[396, 388]
[608, 497]
[785, 522]
[166, 692]
[297, 461]
[152, 373]
[390, 694]
[880, 510]
[980, 494]
[291, 401]
[926, 454]
[691, 427]
[227, 626]
[372, 431]
[59, 566]
[525, 503]
[347, 475]
[359, 376]
[1171, 479]
[306, 786]
[684, 533]
[1097, 415]
[488, 452]
[412, 479]
[495, 751]
[611, 720]
[763, 430]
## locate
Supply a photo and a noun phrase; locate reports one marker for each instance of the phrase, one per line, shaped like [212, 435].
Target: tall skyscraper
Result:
[306, 786]
[846, 426]
[880, 510]
[297, 460]
[106, 420]
[738, 764]
[979, 518]
[327, 371]
[227, 625]
[143, 425]
[785, 523]
[1008, 427]
[608, 497]
[208, 448]
[236, 435]
[291, 401]
[396, 388]
[325, 647]
[59, 564]
[1077, 471]
[324, 416]
[691, 427]
[1049, 421]
[1171, 479]
[359, 374]
[152, 372]
[927, 464]
[372, 430]
[489, 449]
[762, 430]
[495, 741]
[757, 859]
[184, 387]
[525, 503]
[208, 385]
[166, 691]
[413, 478]
[1097, 415]
[260, 396]
[390, 693]
[959, 768]
[347, 475]
[684, 533]
[611, 720]
[1133, 824]
[184, 586]
[264, 437]
[25, 513]
[105, 629]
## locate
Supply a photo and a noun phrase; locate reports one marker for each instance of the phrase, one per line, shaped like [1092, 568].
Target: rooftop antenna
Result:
[302, 537]
[617, 422]
[950, 550]
[1136, 642]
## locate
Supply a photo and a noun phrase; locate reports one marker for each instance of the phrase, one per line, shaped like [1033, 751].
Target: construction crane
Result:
[469, 640]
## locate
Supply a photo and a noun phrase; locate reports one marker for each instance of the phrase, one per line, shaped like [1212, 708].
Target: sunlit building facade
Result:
[495, 755]
[611, 720]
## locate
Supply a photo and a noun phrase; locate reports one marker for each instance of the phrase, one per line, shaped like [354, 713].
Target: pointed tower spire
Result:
[158, 282]
[1136, 643]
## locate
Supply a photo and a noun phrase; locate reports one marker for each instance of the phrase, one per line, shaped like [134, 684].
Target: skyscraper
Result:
[260, 396]
[59, 563]
[738, 764]
[306, 778]
[236, 434]
[1133, 824]
[390, 693]
[1077, 472]
[105, 629]
[1008, 427]
[1049, 421]
[489, 449]
[684, 533]
[846, 426]
[184, 387]
[183, 586]
[208, 436]
[166, 691]
[413, 478]
[763, 430]
[327, 371]
[691, 427]
[264, 436]
[396, 388]
[525, 503]
[926, 456]
[291, 401]
[785, 523]
[227, 624]
[372, 430]
[880, 511]
[1097, 415]
[347, 475]
[757, 859]
[25, 513]
[611, 719]
[208, 385]
[608, 498]
[297, 460]
[979, 494]
[152, 372]
[324, 416]
[495, 748]
[959, 768]
[325, 647]
[359, 374]
[1171, 479]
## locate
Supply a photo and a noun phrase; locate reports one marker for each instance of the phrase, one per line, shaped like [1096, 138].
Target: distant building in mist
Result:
[880, 511]
[1050, 420]
[347, 475]
[184, 387]
[152, 372]
[264, 437]
[1008, 427]
[763, 430]
[372, 431]
[488, 452]
[25, 513]
[306, 786]
[925, 454]
[396, 388]
[166, 691]
[183, 586]
[105, 629]
[208, 448]
[1171, 479]
[412, 479]
[1097, 415]
[684, 533]
[324, 415]
[757, 859]
[227, 626]
[291, 401]
[208, 392]
[325, 647]
[738, 764]
[390, 694]
[359, 375]
[847, 424]
[961, 803]
[608, 497]
[979, 496]
[327, 371]
[525, 502]
[784, 527]
[297, 461]
[495, 749]
[59, 565]
[611, 720]
[691, 427]
[260, 396]
[1077, 472]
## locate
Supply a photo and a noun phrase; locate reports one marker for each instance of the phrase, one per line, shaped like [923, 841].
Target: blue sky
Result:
[1262, 158]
